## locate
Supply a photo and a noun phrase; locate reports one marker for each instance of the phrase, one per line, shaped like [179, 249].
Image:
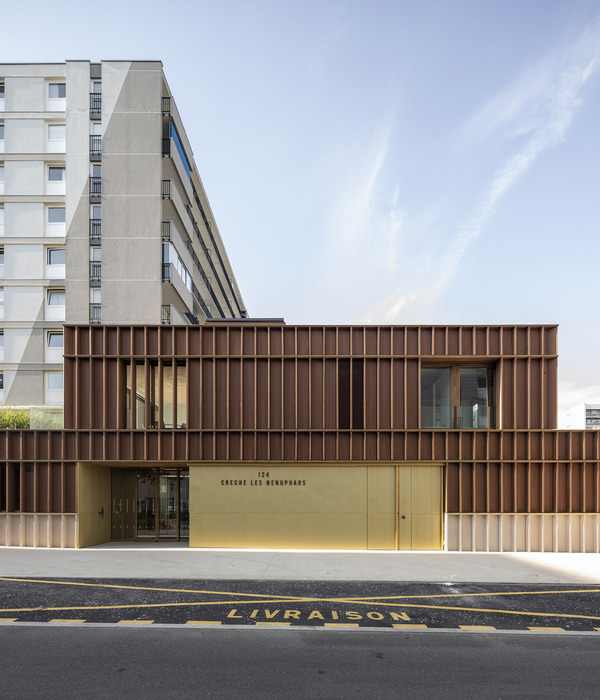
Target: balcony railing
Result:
[165, 314]
[95, 313]
[166, 106]
[95, 187]
[95, 229]
[95, 145]
[166, 189]
[166, 272]
[95, 103]
[166, 148]
[166, 230]
[95, 271]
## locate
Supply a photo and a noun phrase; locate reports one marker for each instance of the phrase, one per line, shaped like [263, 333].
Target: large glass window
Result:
[166, 394]
[181, 421]
[457, 397]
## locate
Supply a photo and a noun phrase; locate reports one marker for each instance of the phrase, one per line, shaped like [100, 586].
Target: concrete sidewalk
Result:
[154, 561]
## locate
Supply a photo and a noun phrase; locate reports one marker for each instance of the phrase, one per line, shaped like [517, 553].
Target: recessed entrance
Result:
[150, 504]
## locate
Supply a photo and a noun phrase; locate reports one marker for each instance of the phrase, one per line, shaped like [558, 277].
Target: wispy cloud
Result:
[537, 111]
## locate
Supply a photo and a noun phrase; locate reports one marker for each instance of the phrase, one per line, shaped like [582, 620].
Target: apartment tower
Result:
[103, 216]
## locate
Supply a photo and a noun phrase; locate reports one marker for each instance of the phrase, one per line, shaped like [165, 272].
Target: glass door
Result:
[168, 516]
[162, 504]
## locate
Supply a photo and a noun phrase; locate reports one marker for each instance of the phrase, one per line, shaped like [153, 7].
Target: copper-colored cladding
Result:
[270, 392]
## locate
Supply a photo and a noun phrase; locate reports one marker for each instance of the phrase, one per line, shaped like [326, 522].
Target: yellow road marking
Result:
[475, 595]
[415, 627]
[546, 629]
[476, 627]
[162, 605]
[203, 622]
[135, 622]
[329, 600]
[264, 598]
[489, 610]
[280, 624]
[64, 619]
[8, 619]
[151, 588]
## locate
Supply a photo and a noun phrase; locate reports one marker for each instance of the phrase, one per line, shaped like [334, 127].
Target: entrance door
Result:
[150, 504]
[420, 507]
[123, 482]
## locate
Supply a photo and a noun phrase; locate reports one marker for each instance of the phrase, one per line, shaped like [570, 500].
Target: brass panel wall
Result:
[382, 508]
[420, 510]
[94, 504]
[316, 507]
[303, 507]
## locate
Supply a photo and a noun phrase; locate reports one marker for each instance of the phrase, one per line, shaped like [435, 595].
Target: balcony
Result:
[166, 189]
[166, 272]
[166, 106]
[95, 313]
[95, 272]
[166, 231]
[95, 229]
[95, 189]
[95, 105]
[165, 314]
[166, 148]
[95, 147]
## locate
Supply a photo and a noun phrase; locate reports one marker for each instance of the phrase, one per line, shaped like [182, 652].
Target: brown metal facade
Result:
[274, 393]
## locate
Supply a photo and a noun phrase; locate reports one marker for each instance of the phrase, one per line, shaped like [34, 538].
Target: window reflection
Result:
[457, 397]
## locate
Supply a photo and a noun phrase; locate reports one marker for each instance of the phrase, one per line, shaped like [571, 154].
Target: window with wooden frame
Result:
[457, 396]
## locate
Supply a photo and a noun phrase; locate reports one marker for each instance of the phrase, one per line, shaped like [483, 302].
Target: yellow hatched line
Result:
[490, 610]
[265, 598]
[475, 595]
[150, 588]
[314, 600]
[8, 619]
[157, 605]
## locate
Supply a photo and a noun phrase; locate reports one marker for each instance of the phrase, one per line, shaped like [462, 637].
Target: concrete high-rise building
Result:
[103, 216]
[583, 416]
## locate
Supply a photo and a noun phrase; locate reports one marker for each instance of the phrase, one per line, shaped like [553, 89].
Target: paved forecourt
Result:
[140, 560]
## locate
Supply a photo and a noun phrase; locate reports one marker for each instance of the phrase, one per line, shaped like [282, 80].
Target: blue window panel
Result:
[184, 160]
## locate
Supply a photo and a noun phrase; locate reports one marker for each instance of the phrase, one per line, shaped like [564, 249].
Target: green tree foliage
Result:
[14, 418]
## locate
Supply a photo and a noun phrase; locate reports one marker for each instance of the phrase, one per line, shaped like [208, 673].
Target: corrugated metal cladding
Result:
[276, 393]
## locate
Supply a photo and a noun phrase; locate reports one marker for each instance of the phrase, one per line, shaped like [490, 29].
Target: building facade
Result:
[103, 216]
[585, 416]
[253, 434]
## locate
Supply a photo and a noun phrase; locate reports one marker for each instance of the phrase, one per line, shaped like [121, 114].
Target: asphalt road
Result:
[325, 604]
[80, 661]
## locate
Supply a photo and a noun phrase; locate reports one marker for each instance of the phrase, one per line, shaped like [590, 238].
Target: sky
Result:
[387, 162]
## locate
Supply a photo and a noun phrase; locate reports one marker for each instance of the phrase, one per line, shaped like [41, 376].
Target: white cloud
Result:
[540, 106]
